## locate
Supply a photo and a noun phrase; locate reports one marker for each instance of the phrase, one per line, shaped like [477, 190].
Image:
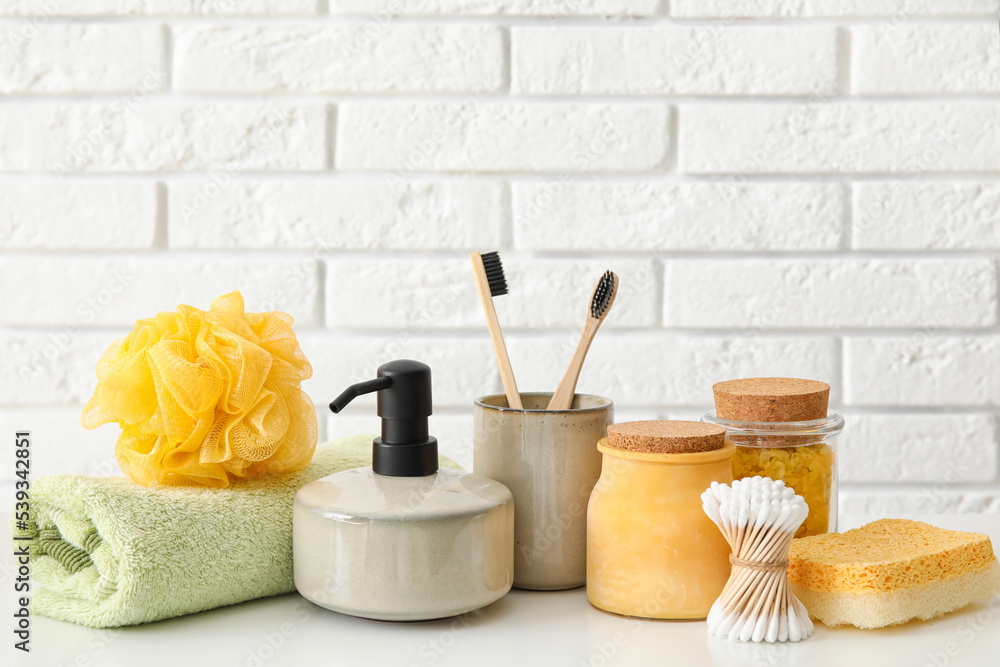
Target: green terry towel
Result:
[107, 552]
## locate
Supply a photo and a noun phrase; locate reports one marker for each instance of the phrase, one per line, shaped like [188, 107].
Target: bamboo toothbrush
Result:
[600, 305]
[490, 281]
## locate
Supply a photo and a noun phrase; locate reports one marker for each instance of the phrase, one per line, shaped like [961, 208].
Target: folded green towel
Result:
[108, 552]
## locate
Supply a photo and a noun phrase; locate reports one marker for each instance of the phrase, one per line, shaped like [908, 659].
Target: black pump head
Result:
[404, 404]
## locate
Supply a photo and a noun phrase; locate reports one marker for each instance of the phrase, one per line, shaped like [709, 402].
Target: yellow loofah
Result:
[206, 397]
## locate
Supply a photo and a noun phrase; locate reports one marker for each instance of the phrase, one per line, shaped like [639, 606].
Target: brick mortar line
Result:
[515, 252]
[519, 177]
[610, 21]
[913, 487]
[559, 333]
[454, 410]
[593, 177]
[466, 410]
[502, 97]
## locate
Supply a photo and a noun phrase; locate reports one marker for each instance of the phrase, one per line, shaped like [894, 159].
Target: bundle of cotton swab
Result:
[758, 517]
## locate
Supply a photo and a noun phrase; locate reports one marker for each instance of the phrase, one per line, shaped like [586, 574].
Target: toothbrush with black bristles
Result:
[600, 304]
[491, 283]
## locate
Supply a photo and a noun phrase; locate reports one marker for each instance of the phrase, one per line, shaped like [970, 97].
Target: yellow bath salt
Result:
[783, 429]
[808, 469]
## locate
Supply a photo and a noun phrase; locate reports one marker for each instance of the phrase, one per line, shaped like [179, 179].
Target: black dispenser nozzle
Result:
[355, 390]
[404, 403]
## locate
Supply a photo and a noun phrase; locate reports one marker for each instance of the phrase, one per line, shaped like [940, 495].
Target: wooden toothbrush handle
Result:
[563, 398]
[503, 361]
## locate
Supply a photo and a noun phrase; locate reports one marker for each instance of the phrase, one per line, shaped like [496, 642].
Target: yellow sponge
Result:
[891, 571]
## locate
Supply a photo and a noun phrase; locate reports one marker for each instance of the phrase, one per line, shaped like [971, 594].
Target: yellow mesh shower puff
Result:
[206, 398]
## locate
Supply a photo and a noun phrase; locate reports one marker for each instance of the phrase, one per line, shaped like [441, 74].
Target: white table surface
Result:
[524, 628]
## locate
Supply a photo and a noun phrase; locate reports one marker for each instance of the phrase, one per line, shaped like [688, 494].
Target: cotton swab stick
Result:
[758, 516]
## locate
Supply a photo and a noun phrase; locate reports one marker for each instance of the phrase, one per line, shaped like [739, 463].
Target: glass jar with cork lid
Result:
[652, 552]
[783, 429]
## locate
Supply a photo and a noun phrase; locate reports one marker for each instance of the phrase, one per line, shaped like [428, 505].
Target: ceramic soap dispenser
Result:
[403, 540]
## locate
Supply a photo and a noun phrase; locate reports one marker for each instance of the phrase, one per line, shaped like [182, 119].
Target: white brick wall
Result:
[61, 214]
[825, 293]
[341, 59]
[161, 136]
[784, 187]
[917, 59]
[487, 135]
[683, 60]
[822, 136]
[325, 213]
[92, 58]
[555, 8]
[78, 8]
[897, 10]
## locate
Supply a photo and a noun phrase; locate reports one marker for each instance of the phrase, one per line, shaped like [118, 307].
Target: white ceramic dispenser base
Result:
[403, 548]
[403, 540]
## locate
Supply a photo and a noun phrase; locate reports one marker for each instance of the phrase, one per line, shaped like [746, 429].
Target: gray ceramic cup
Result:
[549, 461]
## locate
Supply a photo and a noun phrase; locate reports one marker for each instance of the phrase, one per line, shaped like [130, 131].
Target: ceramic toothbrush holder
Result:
[550, 462]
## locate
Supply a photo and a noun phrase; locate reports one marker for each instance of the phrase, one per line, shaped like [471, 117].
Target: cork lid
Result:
[771, 399]
[666, 437]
